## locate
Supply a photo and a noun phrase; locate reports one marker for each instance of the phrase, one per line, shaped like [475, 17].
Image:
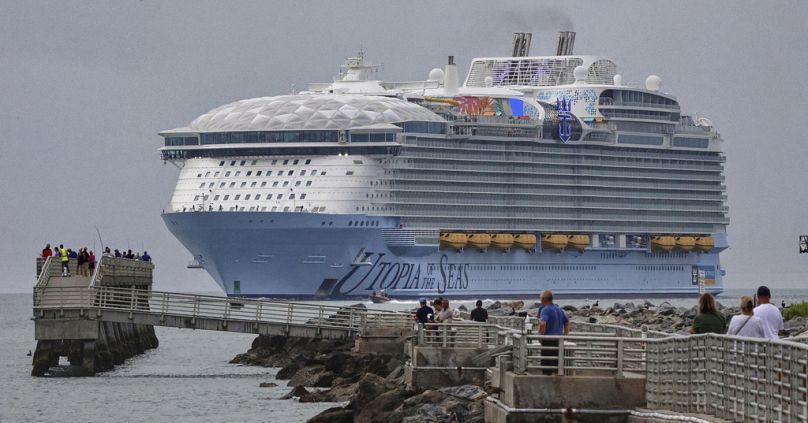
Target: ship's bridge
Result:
[258, 126]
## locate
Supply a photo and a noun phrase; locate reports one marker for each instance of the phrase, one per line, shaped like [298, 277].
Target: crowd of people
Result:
[85, 258]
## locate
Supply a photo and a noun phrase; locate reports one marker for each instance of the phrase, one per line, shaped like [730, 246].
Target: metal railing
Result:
[163, 304]
[461, 334]
[730, 377]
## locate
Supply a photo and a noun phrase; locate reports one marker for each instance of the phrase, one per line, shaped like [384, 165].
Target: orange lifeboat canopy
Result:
[554, 241]
[579, 242]
[502, 241]
[661, 242]
[685, 243]
[705, 243]
[481, 241]
[525, 241]
[456, 240]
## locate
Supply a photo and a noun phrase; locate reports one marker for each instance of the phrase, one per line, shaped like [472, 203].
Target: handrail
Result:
[45, 272]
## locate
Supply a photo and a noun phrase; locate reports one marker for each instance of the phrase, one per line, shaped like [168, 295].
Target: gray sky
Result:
[86, 86]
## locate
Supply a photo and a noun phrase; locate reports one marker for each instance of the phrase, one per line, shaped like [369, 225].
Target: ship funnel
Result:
[566, 41]
[450, 87]
[521, 44]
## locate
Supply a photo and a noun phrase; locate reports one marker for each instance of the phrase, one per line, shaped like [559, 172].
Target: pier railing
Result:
[730, 377]
[163, 304]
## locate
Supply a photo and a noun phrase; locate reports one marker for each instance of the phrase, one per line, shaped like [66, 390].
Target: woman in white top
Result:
[746, 324]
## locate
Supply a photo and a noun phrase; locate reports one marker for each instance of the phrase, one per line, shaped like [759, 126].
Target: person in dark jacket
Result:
[424, 314]
[479, 314]
[709, 320]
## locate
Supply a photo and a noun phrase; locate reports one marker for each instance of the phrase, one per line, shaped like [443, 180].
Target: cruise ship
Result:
[535, 172]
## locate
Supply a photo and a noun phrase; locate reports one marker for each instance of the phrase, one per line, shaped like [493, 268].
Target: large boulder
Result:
[334, 415]
[303, 395]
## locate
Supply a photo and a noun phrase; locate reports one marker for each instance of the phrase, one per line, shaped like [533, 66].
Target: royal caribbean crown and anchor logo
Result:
[564, 106]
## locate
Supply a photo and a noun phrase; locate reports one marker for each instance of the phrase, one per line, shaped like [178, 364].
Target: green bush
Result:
[795, 310]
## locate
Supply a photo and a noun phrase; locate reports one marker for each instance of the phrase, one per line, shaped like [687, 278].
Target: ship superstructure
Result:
[537, 172]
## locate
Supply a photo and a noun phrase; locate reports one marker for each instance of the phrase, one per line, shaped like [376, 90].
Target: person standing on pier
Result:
[709, 320]
[424, 314]
[552, 321]
[746, 323]
[771, 316]
[47, 252]
[479, 314]
[65, 260]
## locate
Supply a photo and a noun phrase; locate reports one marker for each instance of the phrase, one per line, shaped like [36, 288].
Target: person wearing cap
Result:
[479, 314]
[771, 316]
[424, 313]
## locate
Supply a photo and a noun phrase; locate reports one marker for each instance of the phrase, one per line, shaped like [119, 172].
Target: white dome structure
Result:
[310, 112]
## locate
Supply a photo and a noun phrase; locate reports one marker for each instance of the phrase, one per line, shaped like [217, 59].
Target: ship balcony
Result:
[610, 103]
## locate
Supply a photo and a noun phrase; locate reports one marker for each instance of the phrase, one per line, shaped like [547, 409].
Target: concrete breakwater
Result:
[99, 349]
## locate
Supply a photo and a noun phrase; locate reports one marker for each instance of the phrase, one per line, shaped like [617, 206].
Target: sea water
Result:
[188, 378]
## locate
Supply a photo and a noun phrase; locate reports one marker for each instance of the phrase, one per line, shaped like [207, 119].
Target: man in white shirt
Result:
[771, 316]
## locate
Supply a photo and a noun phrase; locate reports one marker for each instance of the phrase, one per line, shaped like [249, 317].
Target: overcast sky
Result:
[86, 86]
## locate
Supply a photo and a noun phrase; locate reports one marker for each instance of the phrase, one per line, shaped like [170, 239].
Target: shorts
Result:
[92, 266]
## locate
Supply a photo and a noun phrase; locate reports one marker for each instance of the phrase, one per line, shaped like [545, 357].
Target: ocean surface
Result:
[188, 378]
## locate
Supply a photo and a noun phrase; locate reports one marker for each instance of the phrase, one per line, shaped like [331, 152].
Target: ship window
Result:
[350, 223]
[286, 183]
[207, 174]
[295, 162]
[297, 183]
[237, 197]
[286, 209]
[274, 162]
[286, 162]
[196, 198]
[274, 184]
[308, 183]
[216, 175]
[257, 196]
[264, 208]
[210, 185]
[303, 172]
[254, 162]
[274, 208]
[291, 196]
[308, 161]
[252, 185]
[290, 173]
[357, 162]
[280, 197]
[247, 197]
[258, 173]
[252, 208]
[221, 185]
[242, 163]
[243, 184]
[226, 197]
[216, 197]
[322, 208]
[237, 174]
[227, 174]
[232, 184]
[233, 163]
[313, 172]
[248, 173]
[350, 172]
[303, 196]
[322, 173]
[280, 173]
[263, 184]
[202, 185]
[221, 163]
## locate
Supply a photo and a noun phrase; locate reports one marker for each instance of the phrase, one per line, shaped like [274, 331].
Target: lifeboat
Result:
[665, 243]
[705, 243]
[554, 241]
[481, 241]
[579, 242]
[455, 240]
[525, 241]
[685, 243]
[502, 241]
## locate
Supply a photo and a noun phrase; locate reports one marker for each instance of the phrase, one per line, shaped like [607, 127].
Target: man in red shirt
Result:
[47, 252]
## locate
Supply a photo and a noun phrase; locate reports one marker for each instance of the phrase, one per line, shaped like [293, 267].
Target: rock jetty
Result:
[372, 386]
